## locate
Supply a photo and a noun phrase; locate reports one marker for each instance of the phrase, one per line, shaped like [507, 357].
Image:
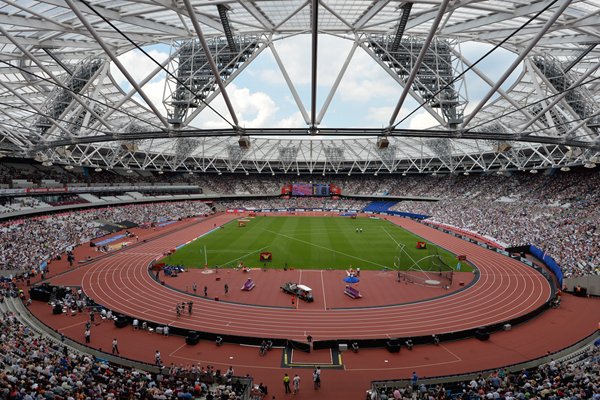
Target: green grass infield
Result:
[311, 243]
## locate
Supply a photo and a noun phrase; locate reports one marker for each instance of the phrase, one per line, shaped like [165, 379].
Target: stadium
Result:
[235, 199]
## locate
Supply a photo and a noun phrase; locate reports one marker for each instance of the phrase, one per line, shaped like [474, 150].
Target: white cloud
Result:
[363, 80]
[294, 121]
[422, 120]
[138, 65]
[252, 110]
[272, 76]
[381, 115]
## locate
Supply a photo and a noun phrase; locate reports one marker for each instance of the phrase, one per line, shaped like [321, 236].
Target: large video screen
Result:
[321, 190]
[309, 189]
[302, 189]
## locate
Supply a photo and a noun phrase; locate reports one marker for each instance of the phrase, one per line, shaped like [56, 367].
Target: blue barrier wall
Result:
[409, 215]
[550, 263]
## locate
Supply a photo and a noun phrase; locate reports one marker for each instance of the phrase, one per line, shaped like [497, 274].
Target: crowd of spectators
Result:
[25, 245]
[576, 379]
[36, 367]
[277, 203]
[559, 214]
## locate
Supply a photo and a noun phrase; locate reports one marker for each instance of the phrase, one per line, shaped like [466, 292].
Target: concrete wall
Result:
[591, 283]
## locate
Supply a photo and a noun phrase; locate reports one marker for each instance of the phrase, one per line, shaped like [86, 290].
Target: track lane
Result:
[505, 290]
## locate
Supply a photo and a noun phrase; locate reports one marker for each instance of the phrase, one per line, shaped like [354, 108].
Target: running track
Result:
[506, 289]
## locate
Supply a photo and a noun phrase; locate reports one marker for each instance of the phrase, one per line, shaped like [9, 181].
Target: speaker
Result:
[383, 143]
[582, 292]
[39, 294]
[192, 339]
[244, 143]
[482, 334]
[393, 346]
[121, 322]
[57, 310]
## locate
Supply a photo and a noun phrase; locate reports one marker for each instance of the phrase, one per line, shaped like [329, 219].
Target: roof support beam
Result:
[561, 96]
[211, 61]
[37, 110]
[114, 59]
[501, 92]
[374, 10]
[257, 14]
[313, 80]
[401, 82]
[419, 61]
[568, 111]
[290, 85]
[131, 93]
[51, 75]
[296, 11]
[336, 83]
[516, 63]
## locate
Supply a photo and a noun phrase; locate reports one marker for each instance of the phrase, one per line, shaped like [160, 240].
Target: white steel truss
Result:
[59, 101]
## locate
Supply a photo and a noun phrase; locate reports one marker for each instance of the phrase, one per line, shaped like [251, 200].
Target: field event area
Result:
[311, 243]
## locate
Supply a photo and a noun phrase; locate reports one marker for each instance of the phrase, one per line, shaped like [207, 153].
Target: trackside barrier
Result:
[408, 215]
[447, 380]
[549, 261]
[491, 245]
[428, 339]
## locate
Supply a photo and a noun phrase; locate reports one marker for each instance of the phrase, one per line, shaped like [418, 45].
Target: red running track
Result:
[506, 289]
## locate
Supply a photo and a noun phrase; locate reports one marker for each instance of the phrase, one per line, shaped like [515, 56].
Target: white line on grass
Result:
[406, 252]
[326, 248]
[245, 255]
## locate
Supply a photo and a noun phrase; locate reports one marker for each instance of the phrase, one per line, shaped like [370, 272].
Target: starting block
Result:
[218, 278]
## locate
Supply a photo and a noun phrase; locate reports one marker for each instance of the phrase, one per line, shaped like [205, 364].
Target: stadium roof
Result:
[60, 103]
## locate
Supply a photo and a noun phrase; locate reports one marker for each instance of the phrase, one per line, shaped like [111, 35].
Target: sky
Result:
[366, 96]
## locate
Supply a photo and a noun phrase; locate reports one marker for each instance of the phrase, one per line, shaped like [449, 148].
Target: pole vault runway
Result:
[506, 289]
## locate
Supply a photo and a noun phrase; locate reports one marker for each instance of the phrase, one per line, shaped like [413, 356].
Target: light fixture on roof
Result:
[500, 172]
[465, 173]
[160, 172]
[47, 163]
[68, 167]
[273, 173]
[588, 165]
[375, 173]
[434, 174]
[348, 173]
[565, 169]
[98, 169]
[534, 171]
[190, 173]
[247, 173]
[404, 174]
[195, 168]
[220, 173]
[129, 171]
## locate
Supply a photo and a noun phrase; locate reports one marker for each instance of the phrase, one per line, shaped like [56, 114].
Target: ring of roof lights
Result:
[60, 104]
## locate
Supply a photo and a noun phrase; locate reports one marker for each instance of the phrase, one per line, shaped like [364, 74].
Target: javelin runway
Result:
[506, 289]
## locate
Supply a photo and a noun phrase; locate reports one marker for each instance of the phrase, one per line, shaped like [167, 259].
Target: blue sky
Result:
[366, 96]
